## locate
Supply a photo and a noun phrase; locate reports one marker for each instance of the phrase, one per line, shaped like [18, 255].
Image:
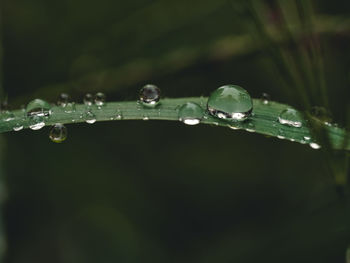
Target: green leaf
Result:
[264, 119]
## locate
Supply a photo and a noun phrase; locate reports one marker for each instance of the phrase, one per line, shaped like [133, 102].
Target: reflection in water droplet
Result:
[38, 107]
[36, 122]
[265, 98]
[89, 117]
[100, 99]
[290, 117]
[149, 95]
[230, 102]
[58, 133]
[314, 145]
[88, 99]
[190, 113]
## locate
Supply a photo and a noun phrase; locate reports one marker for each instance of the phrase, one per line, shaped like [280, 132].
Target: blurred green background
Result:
[135, 191]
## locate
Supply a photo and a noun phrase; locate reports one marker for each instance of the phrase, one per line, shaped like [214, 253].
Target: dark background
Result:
[135, 191]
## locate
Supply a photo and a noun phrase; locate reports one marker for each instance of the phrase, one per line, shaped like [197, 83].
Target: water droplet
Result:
[290, 117]
[314, 145]
[233, 127]
[190, 113]
[36, 122]
[88, 99]
[18, 126]
[100, 99]
[265, 98]
[63, 100]
[251, 127]
[149, 95]
[38, 107]
[7, 115]
[70, 107]
[145, 117]
[118, 115]
[281, 134]
[230, 102]
[58, 133]
[89, 117]
[307, 138]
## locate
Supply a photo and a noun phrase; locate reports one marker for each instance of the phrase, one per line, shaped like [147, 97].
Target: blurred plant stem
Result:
[300, 63]
[226, 48]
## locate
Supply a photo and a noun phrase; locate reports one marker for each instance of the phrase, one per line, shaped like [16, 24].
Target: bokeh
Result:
[158, 191]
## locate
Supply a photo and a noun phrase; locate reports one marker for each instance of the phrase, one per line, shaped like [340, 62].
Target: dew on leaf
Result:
[230, 102]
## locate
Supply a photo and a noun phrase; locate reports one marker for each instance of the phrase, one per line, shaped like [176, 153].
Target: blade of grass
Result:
[264, 119]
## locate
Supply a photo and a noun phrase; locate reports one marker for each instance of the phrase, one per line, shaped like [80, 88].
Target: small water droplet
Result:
[230, 102]
[251, 127]
[38, 107]
[17, 126]
[70, 107]
[265, 98]
[145, 117]
[314, 145]
[63, 100]
[118, 115]
[58, 133]
[233, 127]
[191, 113]
[7, 115]
[307, 138]
[281, 134]
[290, 117]
[36, 122]
[88, 99]
[150, 95]
[89, 117]
[100, 99]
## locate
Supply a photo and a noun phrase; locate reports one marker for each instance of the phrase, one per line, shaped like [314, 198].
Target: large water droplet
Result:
[36, 122]
[58, 133]
[100, 99]
[88, 99]
[191, 113]
[38, 107]
[89, 117]
[290, 117]
[230, 102]
[150, 95]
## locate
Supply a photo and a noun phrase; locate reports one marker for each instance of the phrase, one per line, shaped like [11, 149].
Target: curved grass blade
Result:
[264, 119]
